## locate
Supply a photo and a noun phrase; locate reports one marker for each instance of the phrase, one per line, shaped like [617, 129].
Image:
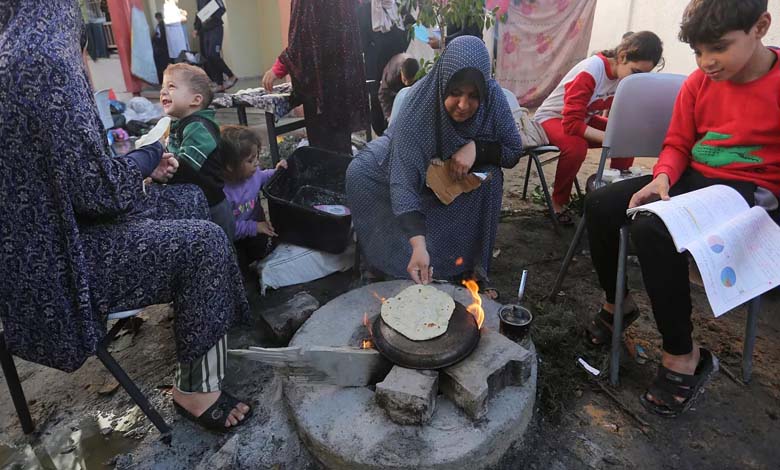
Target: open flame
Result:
[378, 297]
[476, 306]
[367, 343]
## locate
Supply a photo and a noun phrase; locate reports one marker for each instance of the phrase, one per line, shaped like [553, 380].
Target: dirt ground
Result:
[84, 421]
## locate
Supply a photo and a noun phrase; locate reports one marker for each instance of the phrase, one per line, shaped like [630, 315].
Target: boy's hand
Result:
[266, 228]
[419, 267]
[281, 164]
[463, 160]
[165, 169]
[653, 191]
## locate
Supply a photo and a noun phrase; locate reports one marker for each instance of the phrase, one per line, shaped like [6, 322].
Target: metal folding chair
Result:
[534, 154]
[20, 403]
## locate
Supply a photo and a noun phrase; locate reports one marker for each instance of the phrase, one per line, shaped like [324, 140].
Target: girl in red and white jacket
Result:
[571, 114]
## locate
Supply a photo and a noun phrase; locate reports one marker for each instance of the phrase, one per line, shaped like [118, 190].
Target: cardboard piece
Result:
[446, 188]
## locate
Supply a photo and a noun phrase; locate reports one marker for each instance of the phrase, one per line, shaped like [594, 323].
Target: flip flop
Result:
[669, 384]
[600, 326]
[214, 417]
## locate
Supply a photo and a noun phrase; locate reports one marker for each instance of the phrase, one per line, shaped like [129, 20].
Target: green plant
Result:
[460, 13]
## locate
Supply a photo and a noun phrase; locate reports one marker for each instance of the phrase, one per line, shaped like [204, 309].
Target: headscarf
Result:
[423, 130]
[54, 169]
[324, 59]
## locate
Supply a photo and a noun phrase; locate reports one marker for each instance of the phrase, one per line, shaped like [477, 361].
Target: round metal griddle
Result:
[456, 343]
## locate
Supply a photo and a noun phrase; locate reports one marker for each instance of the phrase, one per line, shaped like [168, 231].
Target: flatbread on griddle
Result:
[419, 312]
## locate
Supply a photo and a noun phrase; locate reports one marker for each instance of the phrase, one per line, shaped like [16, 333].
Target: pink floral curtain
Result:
[539, 41]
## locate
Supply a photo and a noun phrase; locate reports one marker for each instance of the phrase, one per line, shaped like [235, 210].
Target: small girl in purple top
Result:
[243, 180]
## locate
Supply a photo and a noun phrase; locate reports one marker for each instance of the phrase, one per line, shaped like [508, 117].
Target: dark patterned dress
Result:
[79, 236]
[387, 178]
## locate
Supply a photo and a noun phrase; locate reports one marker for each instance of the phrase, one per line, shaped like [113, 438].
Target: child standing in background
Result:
[570, 115]
[240, 149]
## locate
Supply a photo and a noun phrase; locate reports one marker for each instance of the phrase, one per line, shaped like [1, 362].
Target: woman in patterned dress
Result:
[81, 237]
[456, 112]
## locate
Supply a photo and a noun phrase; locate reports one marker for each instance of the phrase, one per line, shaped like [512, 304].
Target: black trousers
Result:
[252, 249]
[211, 48]
[324, 132]
[664, 270]
[378, 120]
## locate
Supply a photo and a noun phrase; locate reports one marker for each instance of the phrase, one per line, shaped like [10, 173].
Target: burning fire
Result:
[367, 343]
[476, 307]
[378, 297]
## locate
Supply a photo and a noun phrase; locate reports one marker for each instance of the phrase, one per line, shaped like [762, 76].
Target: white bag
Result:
[291, 264]
[531, 132]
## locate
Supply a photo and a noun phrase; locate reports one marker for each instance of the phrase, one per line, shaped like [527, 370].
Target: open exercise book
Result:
[736, 247]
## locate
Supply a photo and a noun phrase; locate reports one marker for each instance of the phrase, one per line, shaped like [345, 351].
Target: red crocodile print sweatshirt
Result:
[726, 130]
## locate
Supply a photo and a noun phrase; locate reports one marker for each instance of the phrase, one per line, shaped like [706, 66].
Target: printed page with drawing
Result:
[735, 247]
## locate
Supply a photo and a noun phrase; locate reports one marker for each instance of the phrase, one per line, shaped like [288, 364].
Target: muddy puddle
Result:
[83, 447]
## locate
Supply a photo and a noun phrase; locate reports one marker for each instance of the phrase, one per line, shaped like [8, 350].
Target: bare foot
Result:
[628, 305]
[197, 403]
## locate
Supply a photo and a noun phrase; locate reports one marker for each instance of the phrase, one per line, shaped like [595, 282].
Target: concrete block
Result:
[495, 364]
[285, 319]
[408, 396]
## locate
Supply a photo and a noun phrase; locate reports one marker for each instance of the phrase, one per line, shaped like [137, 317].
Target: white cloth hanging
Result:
[384, 15]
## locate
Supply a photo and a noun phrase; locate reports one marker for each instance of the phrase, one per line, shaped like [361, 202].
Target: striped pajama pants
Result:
[204, 374]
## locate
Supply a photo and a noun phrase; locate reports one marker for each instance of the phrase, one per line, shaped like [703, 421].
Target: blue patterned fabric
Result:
[79, 237]
[387, 178]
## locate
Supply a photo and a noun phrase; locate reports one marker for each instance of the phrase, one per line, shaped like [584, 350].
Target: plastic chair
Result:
[20, 403]
[638, 122]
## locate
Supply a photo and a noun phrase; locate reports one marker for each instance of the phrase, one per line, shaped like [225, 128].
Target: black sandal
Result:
[214, 417]
[669, 384]
[485, 286]
[564, 218]
[600, 327]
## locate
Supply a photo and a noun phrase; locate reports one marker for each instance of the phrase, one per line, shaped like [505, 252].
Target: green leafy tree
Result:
[460, 13]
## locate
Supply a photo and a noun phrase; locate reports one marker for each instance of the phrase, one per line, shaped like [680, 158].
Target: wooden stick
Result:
[643, 424]
[731, 375]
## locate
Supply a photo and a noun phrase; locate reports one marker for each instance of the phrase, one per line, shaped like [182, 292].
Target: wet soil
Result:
[85, 421]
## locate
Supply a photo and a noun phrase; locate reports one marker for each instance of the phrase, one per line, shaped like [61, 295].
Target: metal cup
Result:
[515, 323]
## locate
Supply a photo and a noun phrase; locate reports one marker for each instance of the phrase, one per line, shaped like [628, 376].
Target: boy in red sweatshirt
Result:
[725, 129]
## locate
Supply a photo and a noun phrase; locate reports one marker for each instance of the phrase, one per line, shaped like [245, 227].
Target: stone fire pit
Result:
[466, 416]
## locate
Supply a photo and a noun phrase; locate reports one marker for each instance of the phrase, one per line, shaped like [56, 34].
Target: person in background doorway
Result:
[382, 36]
[399, 73]
[324, 60]
[211, 33]
[160, 47]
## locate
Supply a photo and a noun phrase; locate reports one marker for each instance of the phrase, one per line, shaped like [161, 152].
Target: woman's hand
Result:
[266, 228]
[653, 191]
[281, 164]
[268, 80]
[419, 267]
[165, 169]
[463, 160]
